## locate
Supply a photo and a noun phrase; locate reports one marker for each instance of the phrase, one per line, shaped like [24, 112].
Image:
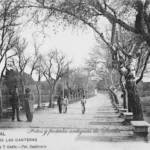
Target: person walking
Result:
[65, 104]
[29, 104]
[60, 103]
[83, 102]
[14, 100]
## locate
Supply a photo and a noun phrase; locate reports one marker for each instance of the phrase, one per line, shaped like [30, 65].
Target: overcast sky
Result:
[76, 44]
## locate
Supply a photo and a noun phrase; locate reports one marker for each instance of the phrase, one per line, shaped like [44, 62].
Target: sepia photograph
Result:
[74, 74]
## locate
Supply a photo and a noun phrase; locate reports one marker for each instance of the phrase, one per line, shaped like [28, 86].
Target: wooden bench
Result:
[128, 117]
[10, 108]
[7, 113]
[44, 105]
[140, 129]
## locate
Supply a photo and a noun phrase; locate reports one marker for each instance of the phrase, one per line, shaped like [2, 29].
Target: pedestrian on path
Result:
[65, 104]
[83, 102]
[29, 105]
[14, 100]
[60, 103]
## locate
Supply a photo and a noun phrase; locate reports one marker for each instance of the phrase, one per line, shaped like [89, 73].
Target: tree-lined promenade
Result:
[119, 59]
[127, 42]
[100, 121]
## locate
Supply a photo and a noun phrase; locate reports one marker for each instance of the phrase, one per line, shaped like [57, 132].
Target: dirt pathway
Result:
[100, 118]
[98, 128]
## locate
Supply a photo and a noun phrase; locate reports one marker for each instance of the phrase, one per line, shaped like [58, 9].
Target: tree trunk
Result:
[75, 95]
[22, 95]
[52, 92]
[69, 95]
[39, 96]
[52, 95]
[125, 98]
[22, 84]
[51, 100]
[22, 90]
[125, 93]
[134, 103]
[115, 99]
[78, 95]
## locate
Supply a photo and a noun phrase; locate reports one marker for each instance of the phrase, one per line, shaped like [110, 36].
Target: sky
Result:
[76, 44]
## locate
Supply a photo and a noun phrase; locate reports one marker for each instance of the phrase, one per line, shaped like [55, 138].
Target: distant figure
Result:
[14, 100]
[83, 102]
[65, 104]
[29, 105]
[60, 103]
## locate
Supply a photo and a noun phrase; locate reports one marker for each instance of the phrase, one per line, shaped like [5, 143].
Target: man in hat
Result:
[60, 103]
[14, 100]
[65, 104]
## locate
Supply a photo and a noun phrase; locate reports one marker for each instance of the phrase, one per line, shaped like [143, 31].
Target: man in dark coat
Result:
[60, 103]
[14, 100]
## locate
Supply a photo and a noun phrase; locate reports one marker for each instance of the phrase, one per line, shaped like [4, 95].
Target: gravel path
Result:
[73, 119]
[99, 115]
[98, 128]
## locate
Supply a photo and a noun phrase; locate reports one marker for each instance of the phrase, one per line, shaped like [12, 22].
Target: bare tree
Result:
[39, 71]
[37, 67]
[20, 61]
[55, 68]
[79, 83]
[9, 15]
[133, 16]
[100, 67]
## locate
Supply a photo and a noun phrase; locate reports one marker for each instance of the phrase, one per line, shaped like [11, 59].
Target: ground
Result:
[98, 128]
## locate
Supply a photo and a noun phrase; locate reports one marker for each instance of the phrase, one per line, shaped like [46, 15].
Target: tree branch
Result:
[144, 67]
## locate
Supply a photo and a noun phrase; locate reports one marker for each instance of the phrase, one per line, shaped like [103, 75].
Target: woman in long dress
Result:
[65, 104]
[29, 105]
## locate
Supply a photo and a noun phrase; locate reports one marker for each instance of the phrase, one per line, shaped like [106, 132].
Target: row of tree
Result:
[18, 67]
[74, 85]
[54, 67]
[127, 41]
